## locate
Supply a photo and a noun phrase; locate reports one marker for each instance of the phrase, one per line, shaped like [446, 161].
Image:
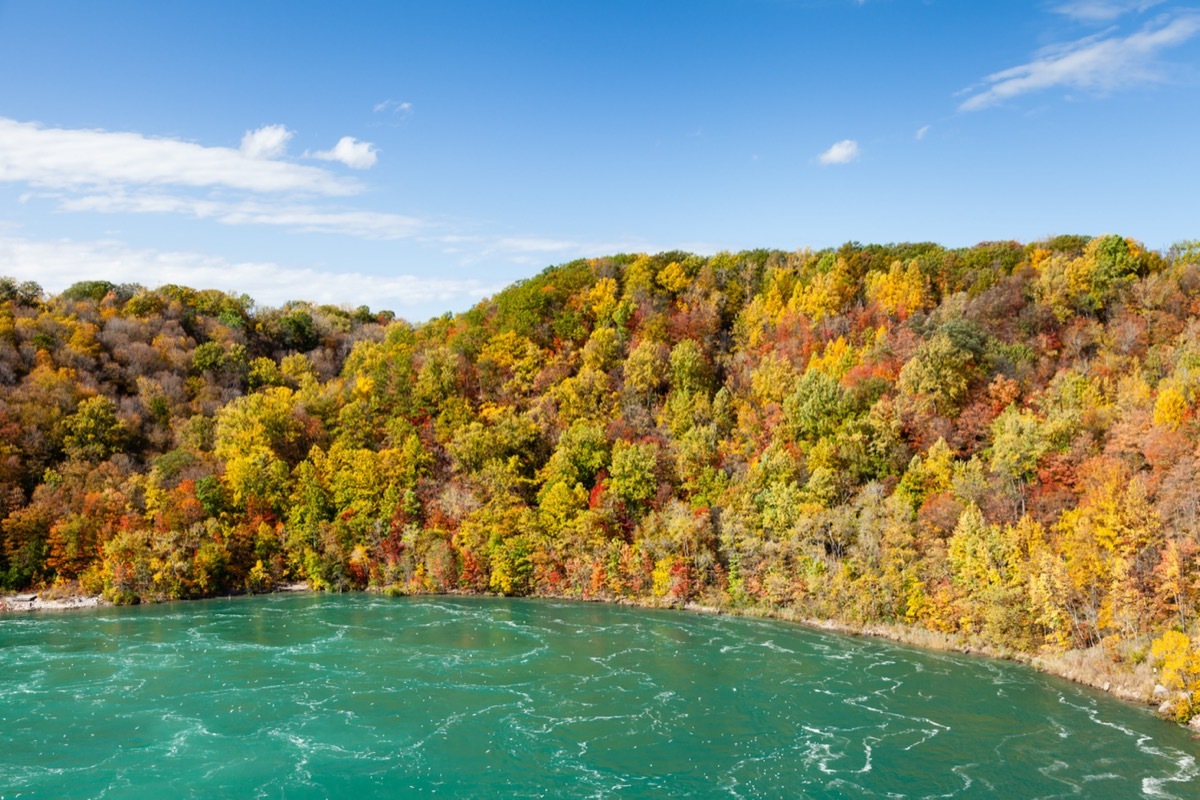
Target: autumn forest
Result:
[999, 441]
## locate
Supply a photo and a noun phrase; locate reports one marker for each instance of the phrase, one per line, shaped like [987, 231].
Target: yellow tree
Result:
[1176, 586]
[1179, 663]
[602, 299]
[827, 294]
[986, 563]
[1111, 544]
[1170, 407]
[899, 291]
[258, 436]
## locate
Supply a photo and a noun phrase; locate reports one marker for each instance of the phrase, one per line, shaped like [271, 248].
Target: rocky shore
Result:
[32, 601]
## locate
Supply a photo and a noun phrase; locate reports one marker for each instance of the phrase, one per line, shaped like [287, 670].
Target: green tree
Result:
[940, 371]
[93, 432]
[816, 408]
[1018, 443]
[633, 477]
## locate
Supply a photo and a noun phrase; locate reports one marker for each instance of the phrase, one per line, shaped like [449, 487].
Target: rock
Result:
[1165, 708]
[1194, 723]
[24, 598]
[1161, 691]
[1106, 686]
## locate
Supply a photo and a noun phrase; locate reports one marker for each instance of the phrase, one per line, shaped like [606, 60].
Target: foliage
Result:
[999, 441]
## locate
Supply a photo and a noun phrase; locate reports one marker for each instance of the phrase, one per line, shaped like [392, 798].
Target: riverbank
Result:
[33, 601]
[52, 601]
[1092, 667]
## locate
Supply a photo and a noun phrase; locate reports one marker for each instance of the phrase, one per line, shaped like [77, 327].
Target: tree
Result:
[690, 372]
[901, 290]
[88, 290]
[941, 371]
[647, 368]
[1179, 661]
[1176, 584]
[633, 475]
[24, 293]
[259, 437]
[603, 350]
[298, 331]
[815, 409]
[93, 432]
[1018, 444]
[1089, 282]
[1170, 408]
[581, 452]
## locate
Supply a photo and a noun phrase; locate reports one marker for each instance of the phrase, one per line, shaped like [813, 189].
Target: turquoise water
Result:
[362, 696]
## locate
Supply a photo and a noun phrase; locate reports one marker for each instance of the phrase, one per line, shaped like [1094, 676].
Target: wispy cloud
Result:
[269, 141]
[351, 152]
[66, 158]
[58, 264]
[1102, 10]
[542, 250]
[394, 106]
[921, 132]
[474, 248]
[842, 152]
[533, 244]
[1099, 63]
[306, 218]
[391, 113]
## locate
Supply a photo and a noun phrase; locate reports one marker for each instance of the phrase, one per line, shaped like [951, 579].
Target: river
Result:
[360, 696]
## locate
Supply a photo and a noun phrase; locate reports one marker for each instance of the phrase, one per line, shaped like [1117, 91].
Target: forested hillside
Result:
[999, 441]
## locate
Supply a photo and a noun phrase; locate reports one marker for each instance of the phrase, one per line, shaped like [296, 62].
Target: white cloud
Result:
[105, 172]
[269, 141]
[58, 264]
[921, 132]
[64, 158]
[1096, 63]
[307, 218]
[351, 152]
[1102, 10]
[842, 152]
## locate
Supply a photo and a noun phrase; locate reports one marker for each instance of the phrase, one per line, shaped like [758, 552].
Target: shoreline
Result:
[1092, 668]
[28, 602]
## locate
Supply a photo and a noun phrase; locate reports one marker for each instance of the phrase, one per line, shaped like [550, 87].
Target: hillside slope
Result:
[997, 441]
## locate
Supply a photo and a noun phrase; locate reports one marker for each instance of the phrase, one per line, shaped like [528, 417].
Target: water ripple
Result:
[316, 696]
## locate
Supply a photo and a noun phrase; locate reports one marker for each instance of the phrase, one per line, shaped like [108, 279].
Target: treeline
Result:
[999, 441]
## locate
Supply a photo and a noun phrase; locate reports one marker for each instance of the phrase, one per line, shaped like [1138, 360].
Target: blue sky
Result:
[419, 156]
